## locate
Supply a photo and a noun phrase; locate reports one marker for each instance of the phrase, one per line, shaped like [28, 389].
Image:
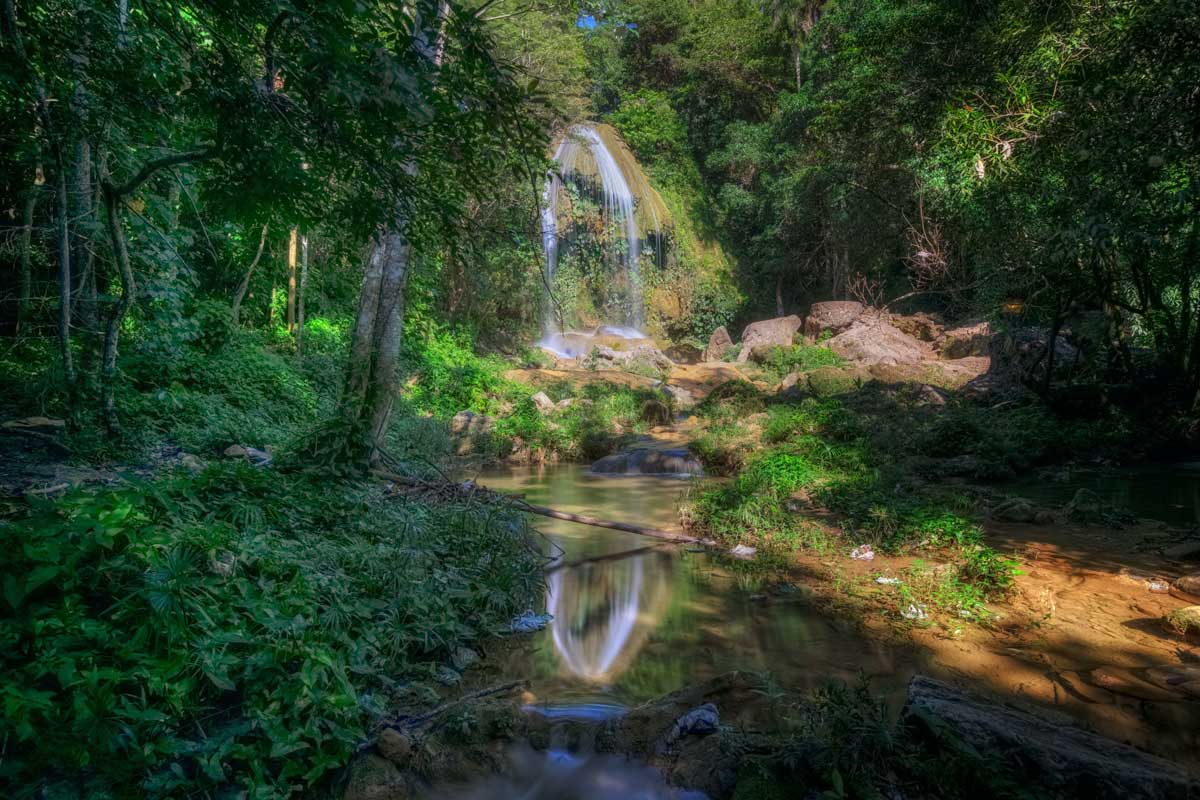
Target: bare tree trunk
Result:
[291, 281]
[26, 290]
[244, 286]
[300, 299]
[116, 232]
[779, 295]
[371, 381]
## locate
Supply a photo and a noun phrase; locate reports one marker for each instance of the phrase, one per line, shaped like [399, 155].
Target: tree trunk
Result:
[26, 270]
[779, 295]
[371, 381]
[291, 281]
[240, 294]
[300, 299]
[64, 275]
[116, 232]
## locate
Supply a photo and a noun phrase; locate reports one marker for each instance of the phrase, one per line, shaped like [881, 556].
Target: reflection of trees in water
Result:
[604, 612]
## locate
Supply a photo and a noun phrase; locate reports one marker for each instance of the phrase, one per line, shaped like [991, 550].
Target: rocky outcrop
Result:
[1050, 758]
[685, 354]
[644, 355]
[926, 327]
[718, 345]
[259, 458]
[973, 339]
[543, 403]
[645, 461]
[875, 341]
[780, 331]
[833, 316]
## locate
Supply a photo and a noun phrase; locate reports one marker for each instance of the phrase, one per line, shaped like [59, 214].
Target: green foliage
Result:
[233, 632]
[778, 362]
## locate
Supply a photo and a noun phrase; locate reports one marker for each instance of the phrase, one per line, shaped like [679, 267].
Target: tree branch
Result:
[150, 167]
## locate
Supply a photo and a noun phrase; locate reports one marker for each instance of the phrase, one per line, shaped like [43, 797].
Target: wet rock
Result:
[780, 331]
[394, 746]
[529, 622]
[373, 777]
[1188, 584]
[697, 722]
[743, 551]
[833, 316]
[1184, 622]
[718, 345]
[645, 461]
[1015, 509]
[259, 458]
[967, 340]
[1087, 506]
[1051, 759]
[874, 341]
[543, 402]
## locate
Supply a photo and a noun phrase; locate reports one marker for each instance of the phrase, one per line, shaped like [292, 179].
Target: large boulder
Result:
[684, 353]
[832, 315]
[718, 345]
[874, 341]
[1052, 759]
[643, 356]
[779, 331]
[644, 461]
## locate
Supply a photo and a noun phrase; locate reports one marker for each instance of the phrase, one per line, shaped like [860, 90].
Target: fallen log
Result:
[470, 489]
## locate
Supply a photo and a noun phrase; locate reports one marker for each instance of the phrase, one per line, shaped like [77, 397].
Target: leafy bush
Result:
[778, 362]
[236, 632]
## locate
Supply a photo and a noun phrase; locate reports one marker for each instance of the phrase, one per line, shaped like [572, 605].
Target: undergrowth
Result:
[235, 631]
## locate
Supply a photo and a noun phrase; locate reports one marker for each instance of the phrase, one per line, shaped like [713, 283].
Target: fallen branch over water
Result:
[472, 490]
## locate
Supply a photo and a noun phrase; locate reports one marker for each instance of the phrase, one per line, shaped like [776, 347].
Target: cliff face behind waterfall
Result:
[622, 243]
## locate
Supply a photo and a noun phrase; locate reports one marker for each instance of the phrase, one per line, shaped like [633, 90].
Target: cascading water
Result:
[594, 163]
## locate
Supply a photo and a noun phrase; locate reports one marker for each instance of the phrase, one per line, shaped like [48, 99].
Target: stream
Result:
[635, 619]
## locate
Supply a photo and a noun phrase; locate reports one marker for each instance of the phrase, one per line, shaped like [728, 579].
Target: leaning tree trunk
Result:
[240, 294]
[108, 364]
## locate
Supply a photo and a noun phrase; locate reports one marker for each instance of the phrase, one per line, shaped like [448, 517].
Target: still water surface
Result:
[634, 619]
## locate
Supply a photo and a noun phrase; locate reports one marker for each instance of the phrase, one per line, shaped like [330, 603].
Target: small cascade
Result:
[595, 164]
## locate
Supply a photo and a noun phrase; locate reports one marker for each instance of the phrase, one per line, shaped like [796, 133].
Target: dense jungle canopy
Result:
[259, 259]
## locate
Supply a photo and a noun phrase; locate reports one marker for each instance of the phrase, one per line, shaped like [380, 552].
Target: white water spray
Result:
[583, 155]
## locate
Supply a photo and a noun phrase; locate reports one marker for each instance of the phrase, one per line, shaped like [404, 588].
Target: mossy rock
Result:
[1184, 621]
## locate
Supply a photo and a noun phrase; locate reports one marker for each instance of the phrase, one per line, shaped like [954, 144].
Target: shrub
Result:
[236, 632]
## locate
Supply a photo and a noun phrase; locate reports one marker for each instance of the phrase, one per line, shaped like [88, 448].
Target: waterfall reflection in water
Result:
[604, 612]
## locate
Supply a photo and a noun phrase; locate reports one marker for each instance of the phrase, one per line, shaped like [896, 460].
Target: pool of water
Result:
[1169, 492]
[634, 619]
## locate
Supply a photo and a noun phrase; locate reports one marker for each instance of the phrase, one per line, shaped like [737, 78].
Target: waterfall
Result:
[594, 162]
